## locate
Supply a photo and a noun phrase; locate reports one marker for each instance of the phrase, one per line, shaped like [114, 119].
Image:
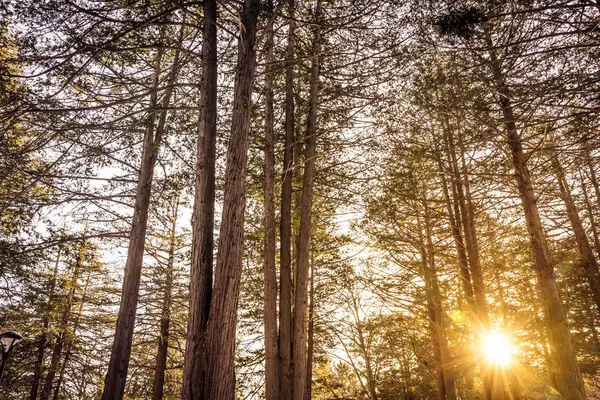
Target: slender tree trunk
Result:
[64, 326]
[311, 333]
[285, 227]
[165, 319]
[592, 170]
[570, 383]
[302, 257]
[222, 320]
[39, 363]
[364, 350]
[70, 340]
[114, 383]
[203, 219]
[461, 254]
[270, 271]
[587, 260]
[590, 213]
[438, 312]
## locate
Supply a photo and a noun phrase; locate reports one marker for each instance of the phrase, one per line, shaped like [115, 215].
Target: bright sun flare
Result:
[497, 349]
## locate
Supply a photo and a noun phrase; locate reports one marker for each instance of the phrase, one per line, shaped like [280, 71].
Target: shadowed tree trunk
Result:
[285, 227]
[569, 380]
[114, 383]
[203, 218]
[303, 252]
[222, 320]
[165, 319]
[270, 271]
[587, 260]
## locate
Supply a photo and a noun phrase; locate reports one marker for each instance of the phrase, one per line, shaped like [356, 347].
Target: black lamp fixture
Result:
[9, 340]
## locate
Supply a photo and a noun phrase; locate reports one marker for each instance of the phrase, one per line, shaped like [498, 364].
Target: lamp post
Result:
[9, 340]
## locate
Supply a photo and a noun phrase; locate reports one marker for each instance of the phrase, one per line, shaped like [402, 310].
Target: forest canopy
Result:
[300, 199]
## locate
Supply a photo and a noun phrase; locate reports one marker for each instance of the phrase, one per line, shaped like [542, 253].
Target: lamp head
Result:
[9, 339]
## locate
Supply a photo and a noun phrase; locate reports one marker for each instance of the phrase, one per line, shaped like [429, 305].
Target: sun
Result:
[497, 349]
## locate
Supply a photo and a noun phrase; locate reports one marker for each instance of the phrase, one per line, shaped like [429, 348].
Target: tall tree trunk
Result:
[436, 311]
[590, 213]
[285, 227]
[203, 219]
[64, 326]
[311, 333]
[592, 170]
[70, 340]
[303, 253]
[114, 383]
[39, 363]
[165, 319]
[222, 320]
[570, 383]
[461, 254]
[587, 260]
[270, 271]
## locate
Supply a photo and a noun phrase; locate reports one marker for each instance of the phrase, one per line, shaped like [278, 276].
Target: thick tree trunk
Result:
[114, 383]
[285, 227]
[303, 253]
[222, 320]
[587, 260]
[570, 383]
[64, 326]
[203, 218]
[165, 319]
[39, 363]
[270, 271]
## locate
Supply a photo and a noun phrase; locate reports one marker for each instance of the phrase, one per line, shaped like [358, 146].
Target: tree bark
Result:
[114, 383]
[165, 320]
[203, 218]
[285, 227]
[222, 320]
[570, 382]
[587, 260]
[303, 253]
[270, 271]
[590, 213]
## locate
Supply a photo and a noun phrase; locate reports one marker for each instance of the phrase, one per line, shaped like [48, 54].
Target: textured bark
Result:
[114, 383]
[64, 326]
[570, 382]
[587, 260]
[270, 271]
[201, 271]
[222, 320]
[285, 227]
[39, 363]
[165, 319]
[303, 251]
